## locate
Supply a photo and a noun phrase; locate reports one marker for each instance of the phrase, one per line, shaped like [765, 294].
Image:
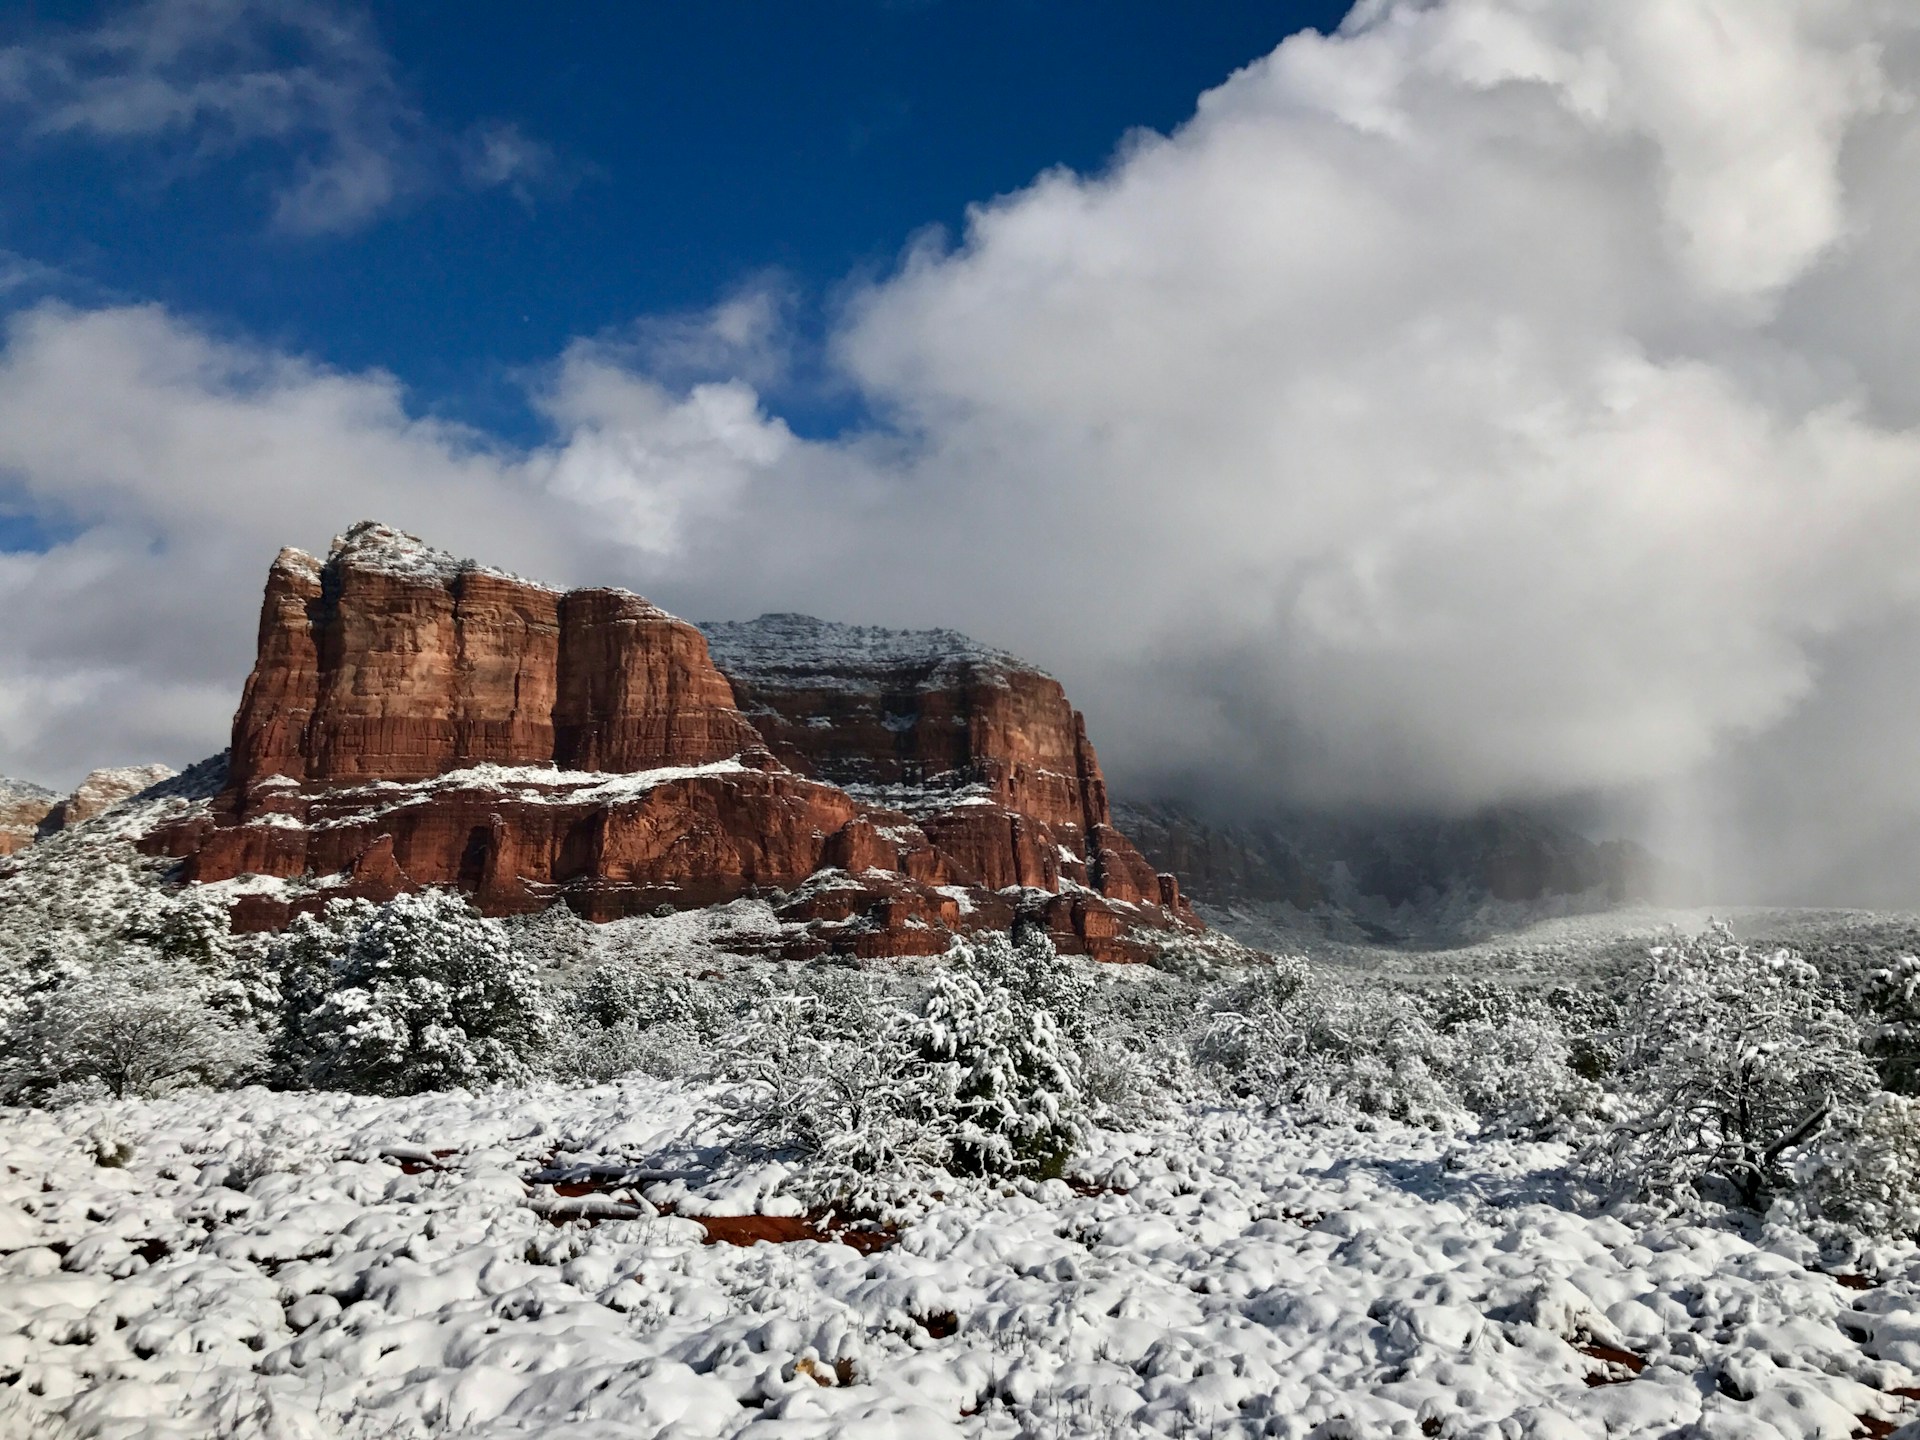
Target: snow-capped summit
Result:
[371, 545]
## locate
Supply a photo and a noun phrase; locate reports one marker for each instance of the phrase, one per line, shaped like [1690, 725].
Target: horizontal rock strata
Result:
[416, 720]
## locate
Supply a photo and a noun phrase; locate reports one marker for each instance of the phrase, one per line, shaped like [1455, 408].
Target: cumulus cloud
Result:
[192, 80]
[1497, 400]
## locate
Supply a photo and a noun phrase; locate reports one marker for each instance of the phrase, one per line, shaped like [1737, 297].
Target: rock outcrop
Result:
[415, 720]
[31, 812]
[23, 807]
[101, 791]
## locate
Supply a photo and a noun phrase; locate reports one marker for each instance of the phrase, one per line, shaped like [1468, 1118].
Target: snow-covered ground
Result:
[306, 1265]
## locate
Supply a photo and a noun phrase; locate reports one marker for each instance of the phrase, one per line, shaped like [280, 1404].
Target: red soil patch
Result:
[1878, 1429]
[414, 1165]
[1615, 1361]
[859, 1232]
[823, 1225]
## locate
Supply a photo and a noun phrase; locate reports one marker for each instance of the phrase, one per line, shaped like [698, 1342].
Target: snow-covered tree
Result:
[997, 1072]
[132, 1025]
[428, 995]
[1863, 1172]
[1891, 1000]
[300, 964]
[1730, 1059]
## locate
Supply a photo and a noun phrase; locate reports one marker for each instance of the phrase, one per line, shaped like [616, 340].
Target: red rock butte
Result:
[417, 720]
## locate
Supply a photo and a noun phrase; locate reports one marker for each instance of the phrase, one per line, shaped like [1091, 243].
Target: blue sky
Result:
[661, 155]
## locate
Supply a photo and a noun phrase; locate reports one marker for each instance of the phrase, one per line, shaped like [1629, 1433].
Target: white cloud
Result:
[1497, 400]
[196, 79]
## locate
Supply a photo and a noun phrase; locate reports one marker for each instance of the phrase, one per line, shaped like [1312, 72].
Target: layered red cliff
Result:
[414, 720]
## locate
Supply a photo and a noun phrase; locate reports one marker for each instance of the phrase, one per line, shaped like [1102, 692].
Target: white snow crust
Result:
[369, 545]
[801, 651]
[534, 783]
[264, 1266]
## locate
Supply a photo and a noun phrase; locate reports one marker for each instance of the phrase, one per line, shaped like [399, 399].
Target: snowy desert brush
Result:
[824, 1072]
[995, 1070]
[1891, 1001]
[1731, 1059]
[1506, 1055]
[427, 995]
[128, 1025]
[1863, 1172]
[863, 1085]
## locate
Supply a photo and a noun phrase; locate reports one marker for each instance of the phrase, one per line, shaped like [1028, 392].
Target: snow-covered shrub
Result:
[1863, 1171]
[427, 995]
[554, 939]
[997, 1073]
[131, 1025]
[1250, 1038]
[1369, 1051]
[1284, 1036]
[1508, 1058]
[1135, 1060]
[826, 1071]
[976, 1078]
[1891, 1001]
[1730, 1058]
[620, 1020]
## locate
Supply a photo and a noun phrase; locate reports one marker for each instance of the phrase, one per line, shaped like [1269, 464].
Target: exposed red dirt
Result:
[824, 1225]
[1615, 1361]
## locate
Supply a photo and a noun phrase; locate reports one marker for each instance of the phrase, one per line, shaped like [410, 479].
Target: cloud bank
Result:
[1497, 400]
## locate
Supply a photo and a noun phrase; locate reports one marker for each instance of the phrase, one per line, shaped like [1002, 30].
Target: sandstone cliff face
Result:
[417, 720]
[395, 662]
[982, 749]
[31, 812]
[23, 806]
[101, 791]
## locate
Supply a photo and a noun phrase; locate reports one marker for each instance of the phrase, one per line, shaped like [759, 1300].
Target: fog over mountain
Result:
[1497, 402]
